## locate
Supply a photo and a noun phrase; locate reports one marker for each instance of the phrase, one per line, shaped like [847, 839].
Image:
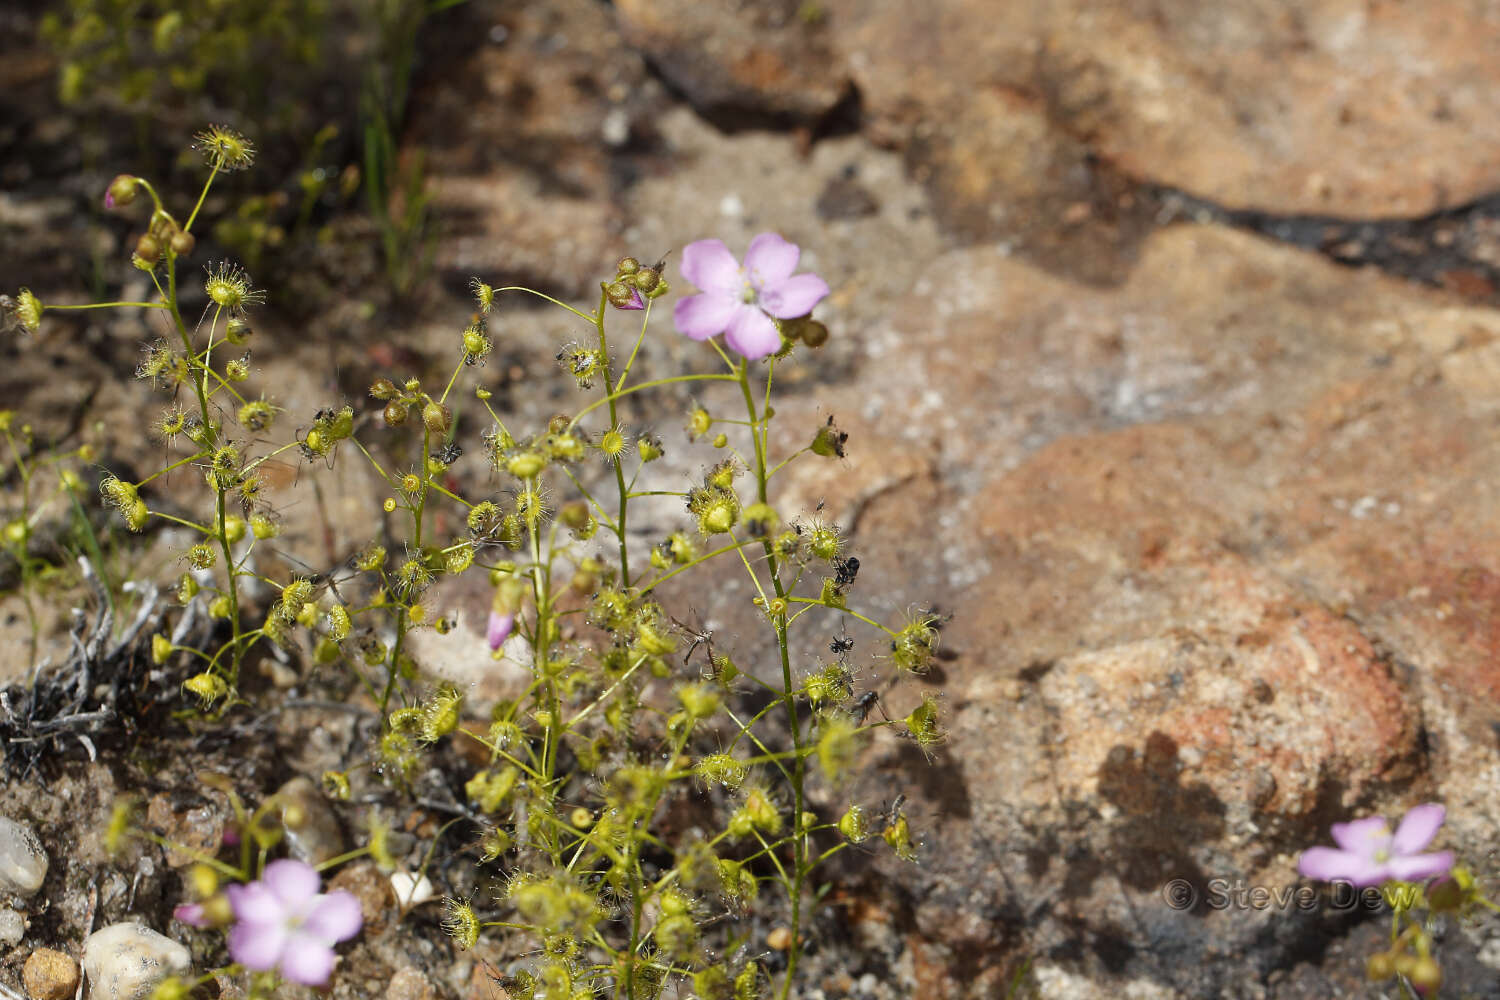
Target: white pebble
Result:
[411, 890]
[126, 961]
[12, 928]
[23, 863]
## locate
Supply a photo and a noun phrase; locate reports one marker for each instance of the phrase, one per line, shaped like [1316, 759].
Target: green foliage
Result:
[140, 54]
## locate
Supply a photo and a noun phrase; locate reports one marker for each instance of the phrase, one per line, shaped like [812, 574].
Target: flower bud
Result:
[525, 465]
[161, 648]
[1426, 975]
[384, 388]
[237, 330]
[437, 417]
[394, 414]
[1380, 966]
[575, 514]
[182, 243]
[813, 333]
[627, 266]
[762, 811]
[646, 278]
[121, 191]
[148, 248]
[699, 700]
[676, 936]
[623, 296]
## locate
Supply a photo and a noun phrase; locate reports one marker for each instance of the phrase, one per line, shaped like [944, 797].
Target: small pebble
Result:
[12, 927]
[371, 888]
[780, 939]
[409, 984]
[126, 961]
[23, 863]
[312, 830]
[411, 890]
[50, 975]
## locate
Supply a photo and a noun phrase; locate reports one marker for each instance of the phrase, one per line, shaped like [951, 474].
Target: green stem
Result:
[758, 433]
[609, 395]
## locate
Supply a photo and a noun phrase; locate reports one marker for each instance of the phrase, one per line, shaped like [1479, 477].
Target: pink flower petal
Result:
[334, 917]
[1328, 864]
[1417, 828]
[702, 316]
[293, 882]
[1421, 867]
[499, 629]
[1362, 836]
[255, 904]
[307, 961]
[752, 334]
[191, 914]
[794, 296]
[257, 947]
[770, 259]
[637, 300]
[709, 265]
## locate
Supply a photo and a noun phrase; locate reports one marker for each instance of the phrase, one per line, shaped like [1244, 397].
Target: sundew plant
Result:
[627, 710]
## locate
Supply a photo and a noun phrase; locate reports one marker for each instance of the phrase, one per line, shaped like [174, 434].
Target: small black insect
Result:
[864, 705]
[845, 570]
[893, 812]
[326, 413]
[703, 637]
[836, 438]
[840, 645]
[449, 453]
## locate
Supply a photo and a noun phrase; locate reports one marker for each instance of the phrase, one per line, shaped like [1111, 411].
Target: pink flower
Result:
[192, 914]
[499, 629]
[741, 301]
[283, 922]
[1370, 854]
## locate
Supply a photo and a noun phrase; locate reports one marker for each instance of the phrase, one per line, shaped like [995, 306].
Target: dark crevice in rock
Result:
[1457, 249]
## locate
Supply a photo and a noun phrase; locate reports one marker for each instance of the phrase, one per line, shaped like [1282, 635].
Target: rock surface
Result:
[12, 927]
[313, 833]
[1328, 108]
[23, 861]
[125, 961]
[50, 975]
[1214, 556]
